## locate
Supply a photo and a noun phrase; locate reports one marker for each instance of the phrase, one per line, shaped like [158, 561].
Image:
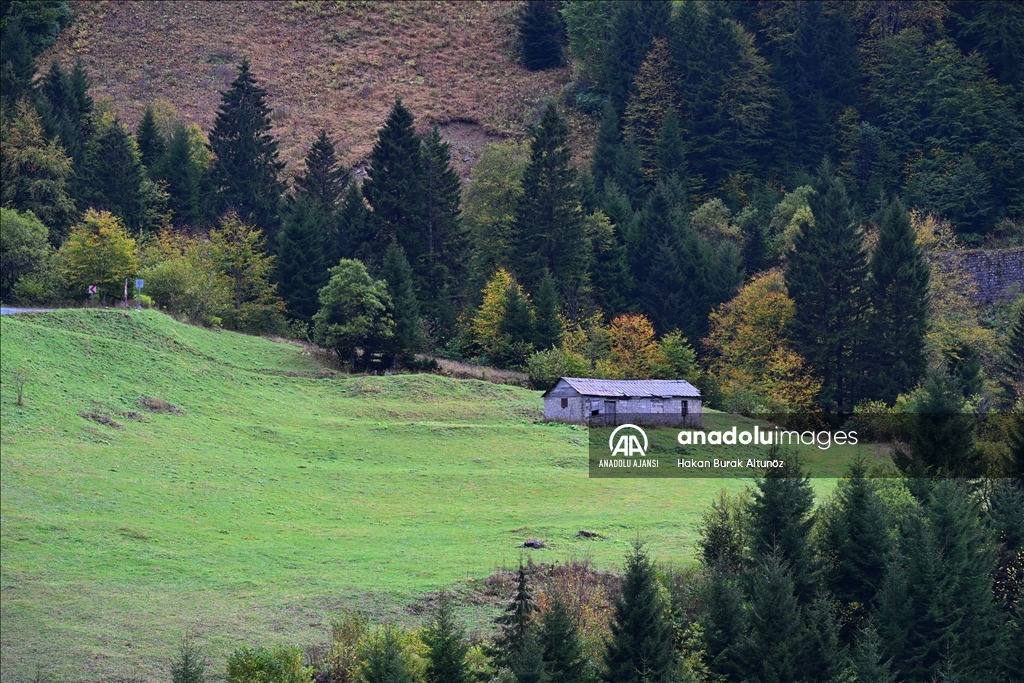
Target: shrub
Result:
[263, 665]
[546, 367]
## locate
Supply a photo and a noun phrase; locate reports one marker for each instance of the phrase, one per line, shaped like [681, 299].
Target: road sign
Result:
[93, 289]
[139, 282]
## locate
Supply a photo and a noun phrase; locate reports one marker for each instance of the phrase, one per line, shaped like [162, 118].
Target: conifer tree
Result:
[772, 649]
[246, 170]
[628, 172]
[898, 294]
[549, 232]
[548, 306]
[351, 230]
[866, 663]
[607, 148]
[668, 149]
[541, 32]
[117, 181]
[516, 626]
[182, 175]
[855, 548]
[609, 276]
[151, 142]
[396, 271]
[652, 98]
[564, 661]
[1011, 369]
[724, 622]
[780, 521]
[825, 278]
[299, 269]
[822, 656]
[65, 108]
[637, 23]
[17, 66]
[445, 639]
[324, 180]
[640, 648]
[443, 264]
[386, 661]
[518, 328]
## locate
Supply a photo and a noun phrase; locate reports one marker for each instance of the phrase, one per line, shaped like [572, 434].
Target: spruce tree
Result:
[780, 521]
[723, 620]
[822, 655]
[609, 276]
[668, 149]
[351, 233]
[772, 649]
[637, 23]
[652, 98]
[548, 306]
[855, 546]
[564, 661]
[443, 264]
[628, 172]
[396, 271]
[17, 66]
[445, 639]
[151, 142]
[825, 278]
[897, 291]
[395, 186]
[607, 148]
[1011, 369]
[385, 659]
[300, 270]
[866, 663]
[65, 109]
[117, 180]
[246, 170]
[541, 33]
[515, 625]
[324, 180]
[518, 328]
[182, 175]
[189, 665]
[640, 649]
[549, 230]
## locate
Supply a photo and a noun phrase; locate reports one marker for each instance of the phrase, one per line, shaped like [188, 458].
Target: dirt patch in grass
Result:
[158, 405]
[459, 370]
[102, 419]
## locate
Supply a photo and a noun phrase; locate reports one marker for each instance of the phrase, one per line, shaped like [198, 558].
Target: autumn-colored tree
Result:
[99, 252]
[634, 350]
[504, 323]
[752, 359]
[653, 97]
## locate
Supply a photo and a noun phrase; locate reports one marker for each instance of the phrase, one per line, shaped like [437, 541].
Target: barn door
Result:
[609, 412]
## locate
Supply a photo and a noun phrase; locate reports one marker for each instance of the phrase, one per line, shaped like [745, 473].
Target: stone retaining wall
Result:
[994, 271]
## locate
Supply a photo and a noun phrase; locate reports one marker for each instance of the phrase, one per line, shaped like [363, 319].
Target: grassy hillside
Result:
[335, 65]
[279, 492]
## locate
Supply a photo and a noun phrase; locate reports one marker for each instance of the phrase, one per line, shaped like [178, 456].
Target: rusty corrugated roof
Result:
[636, 388]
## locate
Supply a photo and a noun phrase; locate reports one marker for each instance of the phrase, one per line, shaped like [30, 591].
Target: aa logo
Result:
[628, 445]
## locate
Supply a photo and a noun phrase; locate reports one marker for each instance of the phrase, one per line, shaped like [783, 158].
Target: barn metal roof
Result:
[633, 388]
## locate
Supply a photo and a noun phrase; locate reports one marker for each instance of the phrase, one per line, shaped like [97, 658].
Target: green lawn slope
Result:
[279, 493]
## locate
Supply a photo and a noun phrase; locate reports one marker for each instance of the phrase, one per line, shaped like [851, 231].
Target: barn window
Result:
[686, 408]
[565, 403]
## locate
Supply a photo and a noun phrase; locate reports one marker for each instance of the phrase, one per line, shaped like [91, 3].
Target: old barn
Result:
[669, 402]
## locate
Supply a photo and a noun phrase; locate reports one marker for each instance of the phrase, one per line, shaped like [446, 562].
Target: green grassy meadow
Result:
[278, 495]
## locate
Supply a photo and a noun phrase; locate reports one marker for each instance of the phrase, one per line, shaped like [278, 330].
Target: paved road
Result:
[12, 311]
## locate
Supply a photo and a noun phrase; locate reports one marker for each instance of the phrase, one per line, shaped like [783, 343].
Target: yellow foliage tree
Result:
[487, 323]
[635, 353]
[99, 252]
[752, 360]
[653, 96]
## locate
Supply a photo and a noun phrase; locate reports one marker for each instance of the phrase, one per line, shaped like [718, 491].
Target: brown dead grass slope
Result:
[333, 65]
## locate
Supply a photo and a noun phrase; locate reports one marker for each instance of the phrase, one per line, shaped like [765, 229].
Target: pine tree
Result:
[855, 548]
[396, 271]
[1011, 369]
[637, 23]
[549, 230]
[607, 148]
[443, 265]
[118, 181]
[780, 522]
[866, 663]
[541, 32]
[300, 270]
[773, 646]
[724, 622]
[151, 142]
[17, 66]
[652, 98]
[324, 180]
[394, 185]
[640, 648]
[564, 661]
[246, 170]
[825, 278]
[668, 149]
[445, 639]
[548, 306]
[898, 295]
[182, 175]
